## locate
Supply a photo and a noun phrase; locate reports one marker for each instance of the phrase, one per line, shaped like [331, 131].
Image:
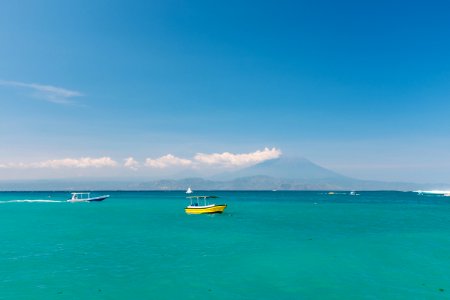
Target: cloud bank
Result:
[47, 92]
[237, 160]
[167, 161]
[224, 160]
[83, 162]
[131, 163]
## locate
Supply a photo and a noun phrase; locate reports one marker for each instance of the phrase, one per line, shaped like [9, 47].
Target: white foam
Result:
[31, 201]
[434, 192]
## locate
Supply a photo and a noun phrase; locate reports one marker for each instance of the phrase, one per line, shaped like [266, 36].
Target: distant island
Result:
[277, 174]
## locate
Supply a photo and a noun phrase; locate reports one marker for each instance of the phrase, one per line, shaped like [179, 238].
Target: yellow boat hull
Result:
[213, 209]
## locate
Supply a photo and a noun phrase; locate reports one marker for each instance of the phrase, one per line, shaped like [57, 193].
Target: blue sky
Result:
[360, 87]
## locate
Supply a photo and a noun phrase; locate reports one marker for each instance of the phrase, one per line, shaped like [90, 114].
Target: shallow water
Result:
[283, 245]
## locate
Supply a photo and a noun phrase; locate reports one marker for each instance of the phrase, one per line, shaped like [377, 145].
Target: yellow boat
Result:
[196, 208]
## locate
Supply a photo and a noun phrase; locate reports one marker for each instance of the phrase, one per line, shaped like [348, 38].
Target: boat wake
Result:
[30, 201]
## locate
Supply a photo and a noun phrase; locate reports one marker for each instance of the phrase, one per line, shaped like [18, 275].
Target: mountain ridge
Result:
[276, 174]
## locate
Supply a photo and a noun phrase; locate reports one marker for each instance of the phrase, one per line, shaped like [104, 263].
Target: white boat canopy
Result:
[196, 199]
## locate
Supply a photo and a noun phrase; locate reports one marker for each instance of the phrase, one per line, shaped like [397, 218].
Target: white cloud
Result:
[47, 92]
[131, 163]
[236, 160]
[225, 159]
[167, 161]
[83, 162]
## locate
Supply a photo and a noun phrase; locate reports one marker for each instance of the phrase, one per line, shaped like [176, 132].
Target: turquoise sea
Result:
[268, 245]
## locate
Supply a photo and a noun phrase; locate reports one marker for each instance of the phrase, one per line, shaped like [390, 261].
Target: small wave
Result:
[434, 192]
[31, 201]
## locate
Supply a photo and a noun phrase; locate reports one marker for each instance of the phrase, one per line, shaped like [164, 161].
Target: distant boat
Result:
[189, 191]
[86, 197]
[200, 205]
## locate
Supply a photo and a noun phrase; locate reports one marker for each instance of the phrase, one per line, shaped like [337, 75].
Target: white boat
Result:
[189, 191]
[86, 197]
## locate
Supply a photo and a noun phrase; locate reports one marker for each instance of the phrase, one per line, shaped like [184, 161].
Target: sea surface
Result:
[267, 245]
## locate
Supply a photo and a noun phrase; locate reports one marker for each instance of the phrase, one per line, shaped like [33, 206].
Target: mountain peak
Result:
[285, 167]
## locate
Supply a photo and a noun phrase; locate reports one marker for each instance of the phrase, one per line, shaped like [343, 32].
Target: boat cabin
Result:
[200, 200]
[81, 196]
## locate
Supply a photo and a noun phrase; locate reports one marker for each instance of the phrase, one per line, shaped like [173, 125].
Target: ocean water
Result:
[267, 245]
